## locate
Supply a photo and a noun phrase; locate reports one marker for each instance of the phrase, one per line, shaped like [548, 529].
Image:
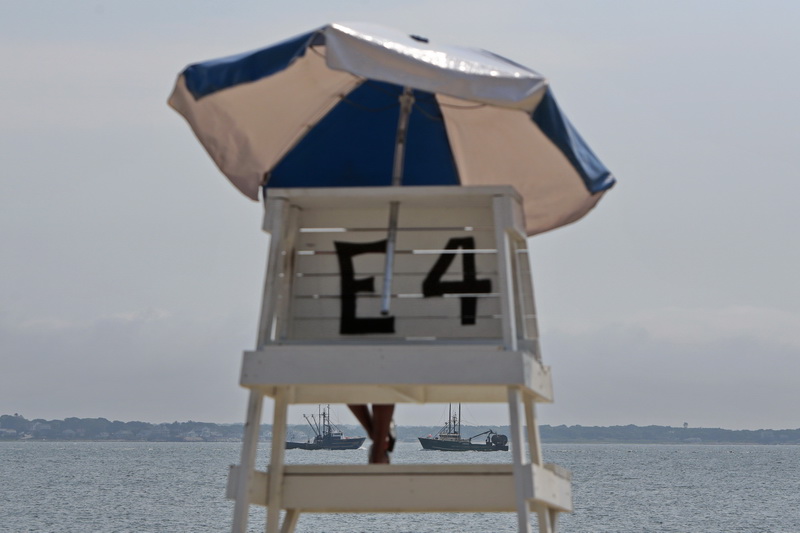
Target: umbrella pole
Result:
[406, 102]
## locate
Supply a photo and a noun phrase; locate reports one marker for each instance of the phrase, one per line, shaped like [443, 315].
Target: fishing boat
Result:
[449, 439]
[326, 435]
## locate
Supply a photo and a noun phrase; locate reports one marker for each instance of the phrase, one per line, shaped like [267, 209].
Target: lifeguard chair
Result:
[460, 327]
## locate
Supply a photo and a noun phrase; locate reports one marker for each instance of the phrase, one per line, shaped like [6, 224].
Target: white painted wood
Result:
[411, 488]
[247, 461]
[560, 492]
[432, 354]
[283, 304]
[414, 265]
[544, 518]
[482, 371]
[276, 467]
[446, 310]
[317, 305]
[276, 220]
[409, 238]
[383, 394]
[290, 521]
[415, 221]
[435, 196]
[521, 466]
[553, 520]
[429, 219]
[504, 263]
[406, 285]
[420, 327]
[532, 427]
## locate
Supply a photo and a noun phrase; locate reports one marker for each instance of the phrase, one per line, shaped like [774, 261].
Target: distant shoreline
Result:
[16, 428]
[544, 441]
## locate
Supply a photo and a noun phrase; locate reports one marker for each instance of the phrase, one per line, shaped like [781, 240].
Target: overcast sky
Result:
[131, 269]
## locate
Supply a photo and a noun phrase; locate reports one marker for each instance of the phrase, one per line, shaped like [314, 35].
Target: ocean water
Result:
[107, 487]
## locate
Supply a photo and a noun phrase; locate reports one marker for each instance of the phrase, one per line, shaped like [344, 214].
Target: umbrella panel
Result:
[353, 145]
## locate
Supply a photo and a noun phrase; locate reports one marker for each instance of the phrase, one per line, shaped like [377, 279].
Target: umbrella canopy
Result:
[321, 110]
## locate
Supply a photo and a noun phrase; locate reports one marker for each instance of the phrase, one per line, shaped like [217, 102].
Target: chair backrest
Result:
[460, 271]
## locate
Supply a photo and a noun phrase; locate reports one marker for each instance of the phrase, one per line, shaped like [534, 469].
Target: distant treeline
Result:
[666, 435]
[633, 434]
[17, 427]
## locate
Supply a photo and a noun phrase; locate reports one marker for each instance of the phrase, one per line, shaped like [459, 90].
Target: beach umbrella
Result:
[358, 104]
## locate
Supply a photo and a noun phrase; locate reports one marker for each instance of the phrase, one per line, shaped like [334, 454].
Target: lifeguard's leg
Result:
[361, 412]
[381, 422]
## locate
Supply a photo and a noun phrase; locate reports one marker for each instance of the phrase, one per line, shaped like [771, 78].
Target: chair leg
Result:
[247, 462]
[554, 520]
[532, 427]
[546, 524]
[275, 473]
[290, 521]
[518, 453]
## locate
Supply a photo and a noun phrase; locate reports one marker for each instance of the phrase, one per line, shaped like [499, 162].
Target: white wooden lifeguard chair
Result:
[461, 328]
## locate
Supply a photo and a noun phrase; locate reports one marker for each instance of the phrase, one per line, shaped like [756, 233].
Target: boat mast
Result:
[449, 416]
[315, 429]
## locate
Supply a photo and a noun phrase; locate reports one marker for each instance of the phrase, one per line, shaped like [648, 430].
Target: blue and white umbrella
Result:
[364, 105]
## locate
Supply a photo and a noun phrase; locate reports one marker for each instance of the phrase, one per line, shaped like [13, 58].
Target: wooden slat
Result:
[448, 307]
[410, 216]
[430, 239]
[410, 488]
[329, 366]
[424, 327]
[381, 394]
[403, 283]
[370, 264]
[433, 196]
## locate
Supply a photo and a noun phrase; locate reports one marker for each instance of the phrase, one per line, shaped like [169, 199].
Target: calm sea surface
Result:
[86, 487]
